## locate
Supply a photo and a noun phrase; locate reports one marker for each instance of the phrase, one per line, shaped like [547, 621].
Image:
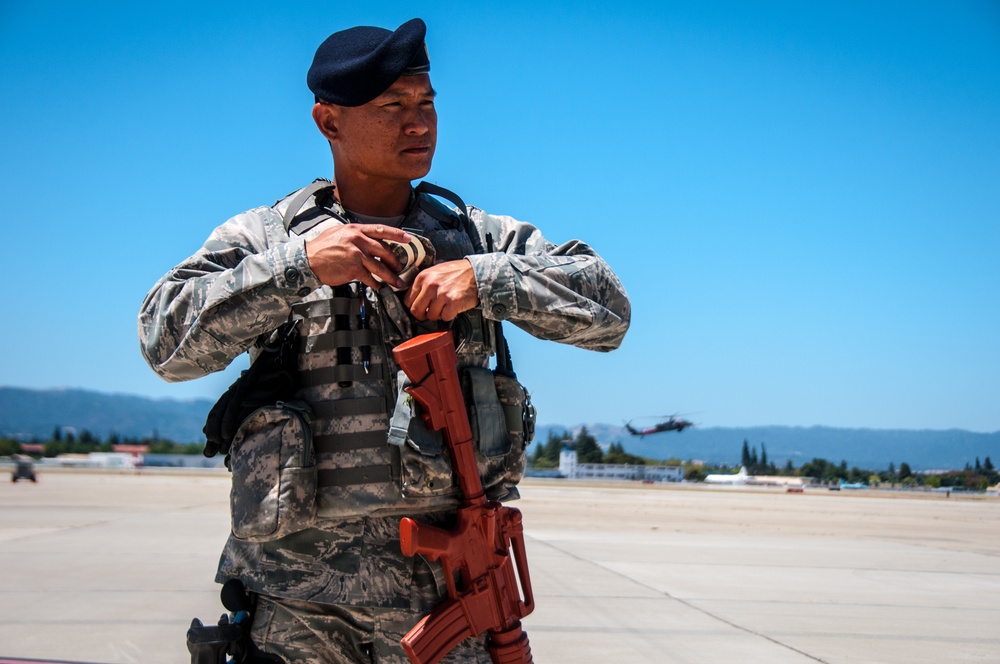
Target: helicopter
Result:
[673, 423]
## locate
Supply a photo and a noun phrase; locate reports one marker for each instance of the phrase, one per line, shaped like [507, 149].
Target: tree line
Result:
[977, 477]
[546, 455]
[974, 477]
[68, 441]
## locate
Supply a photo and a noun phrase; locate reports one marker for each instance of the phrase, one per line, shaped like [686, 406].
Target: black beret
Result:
[354, 66]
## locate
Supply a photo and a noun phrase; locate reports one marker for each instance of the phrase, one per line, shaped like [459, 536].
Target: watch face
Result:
[414, 255]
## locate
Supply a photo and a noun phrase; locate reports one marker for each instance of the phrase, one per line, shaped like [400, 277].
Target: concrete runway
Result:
[110, 568]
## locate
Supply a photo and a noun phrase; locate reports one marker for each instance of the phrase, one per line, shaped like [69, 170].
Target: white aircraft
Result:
[738, 479]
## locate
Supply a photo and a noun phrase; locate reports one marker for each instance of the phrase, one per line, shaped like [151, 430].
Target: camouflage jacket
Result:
[241, 284]
[244, 282]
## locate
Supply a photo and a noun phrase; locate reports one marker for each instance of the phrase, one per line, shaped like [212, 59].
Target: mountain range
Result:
[30, 413]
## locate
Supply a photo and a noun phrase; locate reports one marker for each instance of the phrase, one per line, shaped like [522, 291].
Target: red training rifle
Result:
[486, 546]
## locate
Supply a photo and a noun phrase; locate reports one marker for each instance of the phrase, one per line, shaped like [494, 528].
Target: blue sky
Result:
[802, 199]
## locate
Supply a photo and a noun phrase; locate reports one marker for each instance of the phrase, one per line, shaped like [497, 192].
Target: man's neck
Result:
[375, 199]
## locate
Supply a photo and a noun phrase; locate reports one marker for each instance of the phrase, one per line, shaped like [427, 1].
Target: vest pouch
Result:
[274, 473]
[519, 415]
[518, 411]
[486, 414]
[425, 466]
[496, 405]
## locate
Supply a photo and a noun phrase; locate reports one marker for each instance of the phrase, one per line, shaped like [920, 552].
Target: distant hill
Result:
[29, 414]
[871, 449]
[36, 413]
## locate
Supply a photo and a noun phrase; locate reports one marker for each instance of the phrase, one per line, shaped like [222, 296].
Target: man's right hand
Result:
[355, 252]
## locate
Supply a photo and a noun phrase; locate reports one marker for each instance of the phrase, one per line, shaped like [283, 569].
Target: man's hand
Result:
[355, 252]
[443, 291]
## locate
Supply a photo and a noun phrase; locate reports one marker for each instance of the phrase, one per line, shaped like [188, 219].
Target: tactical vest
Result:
[352, 384]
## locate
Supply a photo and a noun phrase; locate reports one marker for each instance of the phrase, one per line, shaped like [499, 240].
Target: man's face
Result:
[391, 137]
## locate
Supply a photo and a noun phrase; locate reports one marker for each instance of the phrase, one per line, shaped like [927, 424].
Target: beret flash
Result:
[356, 65]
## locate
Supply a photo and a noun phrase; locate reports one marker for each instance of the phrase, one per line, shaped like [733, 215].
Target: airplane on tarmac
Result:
[673, 423]
[738, 479]
[743, 479]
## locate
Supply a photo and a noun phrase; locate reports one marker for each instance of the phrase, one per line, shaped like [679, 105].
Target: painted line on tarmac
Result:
[686, 603]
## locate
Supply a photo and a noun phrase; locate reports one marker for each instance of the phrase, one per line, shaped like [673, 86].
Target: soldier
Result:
[346, 270]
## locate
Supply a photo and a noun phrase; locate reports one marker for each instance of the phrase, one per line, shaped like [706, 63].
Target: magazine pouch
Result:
[498, 407]
[274, 473]
[519, 416]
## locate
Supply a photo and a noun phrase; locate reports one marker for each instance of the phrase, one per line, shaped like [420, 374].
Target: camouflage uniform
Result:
[307, 632]
[252, 275]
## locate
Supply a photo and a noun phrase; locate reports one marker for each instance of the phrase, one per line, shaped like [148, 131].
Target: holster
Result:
[209, 644]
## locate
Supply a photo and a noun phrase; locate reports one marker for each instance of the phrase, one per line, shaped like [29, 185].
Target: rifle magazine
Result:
[437, 633]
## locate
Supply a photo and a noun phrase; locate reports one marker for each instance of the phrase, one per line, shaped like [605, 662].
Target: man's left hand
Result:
[443, 291]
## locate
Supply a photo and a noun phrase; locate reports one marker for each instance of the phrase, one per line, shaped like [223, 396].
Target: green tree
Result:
[616, 454]
[546, 455]
[536, 455]
[171, 447]
[554, 447]
[989, 472]
[9, 447]
[745, 459]
[694, 474]
[587, 449]
[825, 471]
[904, 471]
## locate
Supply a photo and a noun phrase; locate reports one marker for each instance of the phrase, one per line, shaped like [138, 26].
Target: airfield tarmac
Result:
[109, 568]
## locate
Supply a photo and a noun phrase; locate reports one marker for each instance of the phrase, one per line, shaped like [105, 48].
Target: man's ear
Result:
[327, 119]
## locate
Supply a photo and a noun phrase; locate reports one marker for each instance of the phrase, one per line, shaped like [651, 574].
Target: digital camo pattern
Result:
[352, 562]
[519, 414]
[564, 293]
[244, 280]
[305, 632]
[212, 307]
[274, 474]
[349, 377]
[251, 275]
[350, 402]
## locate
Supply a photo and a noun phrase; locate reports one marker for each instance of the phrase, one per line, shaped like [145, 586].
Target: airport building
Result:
[570, 469]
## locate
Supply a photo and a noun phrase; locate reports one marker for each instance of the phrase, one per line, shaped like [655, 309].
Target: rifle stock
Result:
[486, 546]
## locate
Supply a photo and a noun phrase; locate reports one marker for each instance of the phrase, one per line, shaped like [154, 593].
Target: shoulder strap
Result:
[295, 205]
[434, 190]
[450, 196]
[504, 364]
